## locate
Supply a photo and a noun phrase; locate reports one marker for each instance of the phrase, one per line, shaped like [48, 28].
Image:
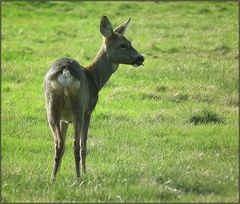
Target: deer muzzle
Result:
[139, 61]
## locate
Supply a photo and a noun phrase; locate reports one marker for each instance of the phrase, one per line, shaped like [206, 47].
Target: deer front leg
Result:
[63, 129]
[84, 140]
[76, 145]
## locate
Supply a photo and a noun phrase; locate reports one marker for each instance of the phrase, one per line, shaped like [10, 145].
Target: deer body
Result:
[71, 91]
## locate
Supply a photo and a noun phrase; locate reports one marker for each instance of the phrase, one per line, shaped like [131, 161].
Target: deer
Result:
[71, 90]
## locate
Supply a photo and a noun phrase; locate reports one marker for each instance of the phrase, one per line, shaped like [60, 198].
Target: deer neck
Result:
[101, 68]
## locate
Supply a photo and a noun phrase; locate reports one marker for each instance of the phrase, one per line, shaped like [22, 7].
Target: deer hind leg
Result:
[59, 147]
[83, 142]
[59, 131]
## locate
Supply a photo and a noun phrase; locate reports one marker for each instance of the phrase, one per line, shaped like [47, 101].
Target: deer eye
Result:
[123, 46]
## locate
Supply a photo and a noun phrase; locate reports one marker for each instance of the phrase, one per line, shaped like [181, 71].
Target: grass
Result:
[205, 116]
[164, 132]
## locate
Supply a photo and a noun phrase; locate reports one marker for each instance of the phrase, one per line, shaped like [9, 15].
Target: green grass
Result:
[164, 132]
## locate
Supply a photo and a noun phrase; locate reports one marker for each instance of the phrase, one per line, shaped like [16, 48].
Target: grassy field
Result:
[164, 132]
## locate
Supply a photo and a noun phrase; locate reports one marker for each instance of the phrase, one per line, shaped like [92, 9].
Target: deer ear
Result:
[106, 27]
[121, 29]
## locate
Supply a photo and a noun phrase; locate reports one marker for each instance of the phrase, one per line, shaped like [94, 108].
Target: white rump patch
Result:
[65, 82]
[65, 78]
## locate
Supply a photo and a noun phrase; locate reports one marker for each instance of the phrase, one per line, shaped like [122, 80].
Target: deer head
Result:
[118, 48]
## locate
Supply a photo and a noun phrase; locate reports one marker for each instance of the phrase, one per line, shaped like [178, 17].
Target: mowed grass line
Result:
[164, 132]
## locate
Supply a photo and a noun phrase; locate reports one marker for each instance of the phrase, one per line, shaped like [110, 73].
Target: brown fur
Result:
[71, 91]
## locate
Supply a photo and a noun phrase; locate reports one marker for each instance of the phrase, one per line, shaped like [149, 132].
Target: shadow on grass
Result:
[205, 116]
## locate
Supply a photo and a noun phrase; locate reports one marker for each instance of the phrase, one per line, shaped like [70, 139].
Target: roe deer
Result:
[71, 91]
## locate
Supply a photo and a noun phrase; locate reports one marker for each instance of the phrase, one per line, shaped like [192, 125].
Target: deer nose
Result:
[138, 61]
[140, 58]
